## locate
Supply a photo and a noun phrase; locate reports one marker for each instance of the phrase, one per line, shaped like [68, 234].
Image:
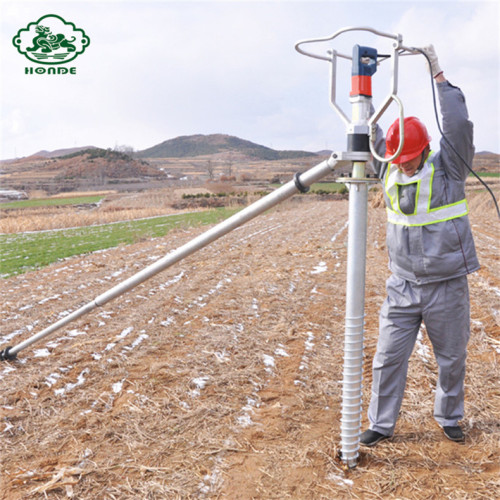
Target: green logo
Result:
[51, 40]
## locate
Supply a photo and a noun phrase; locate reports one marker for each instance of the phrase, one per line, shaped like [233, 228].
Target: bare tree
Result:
[229, 168]
[210, 169]
[129, 150]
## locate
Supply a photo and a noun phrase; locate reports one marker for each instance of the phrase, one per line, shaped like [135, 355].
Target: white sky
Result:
[155, 70]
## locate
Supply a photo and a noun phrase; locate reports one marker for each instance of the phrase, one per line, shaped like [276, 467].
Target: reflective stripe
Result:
[423, 213]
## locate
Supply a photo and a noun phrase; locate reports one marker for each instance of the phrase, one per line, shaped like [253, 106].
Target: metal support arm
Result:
[336, 160]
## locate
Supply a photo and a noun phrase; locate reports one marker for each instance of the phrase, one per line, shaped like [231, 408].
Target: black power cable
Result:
[446, 139]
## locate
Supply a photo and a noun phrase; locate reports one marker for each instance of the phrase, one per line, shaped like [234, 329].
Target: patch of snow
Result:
[41, 353]
[210, 482]
[125, 332]
[341, 481]
[115, 274]
[75, 333]
[175, 279]
[309, 342]
[244, 420]
[106, 314]
[136, 342]
[10, 336]
[255, 306]
[199, 383]
[8, 427]
[167, 322]
[117, 387]
[281, 352]
[54, 297]
[339, 232]
[320, 268]
[51, 379]
[68, 387]
[269, 361]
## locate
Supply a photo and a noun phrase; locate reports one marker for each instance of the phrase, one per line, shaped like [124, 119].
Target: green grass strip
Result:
[24, 252]
[486, 174]
[328, 187]
[47, 202]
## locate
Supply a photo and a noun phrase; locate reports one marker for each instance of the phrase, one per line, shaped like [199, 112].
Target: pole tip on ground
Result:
[5, 354]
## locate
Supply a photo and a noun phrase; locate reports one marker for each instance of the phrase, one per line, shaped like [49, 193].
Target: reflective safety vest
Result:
[423, 213]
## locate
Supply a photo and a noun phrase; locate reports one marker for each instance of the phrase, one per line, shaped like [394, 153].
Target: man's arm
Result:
[457, 128]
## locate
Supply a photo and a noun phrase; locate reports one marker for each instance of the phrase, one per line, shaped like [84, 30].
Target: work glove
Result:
[431, 54]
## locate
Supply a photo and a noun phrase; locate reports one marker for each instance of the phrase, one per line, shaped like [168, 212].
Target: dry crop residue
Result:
[221, 377]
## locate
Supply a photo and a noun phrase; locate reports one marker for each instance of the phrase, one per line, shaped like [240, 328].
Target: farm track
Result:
[221, 377]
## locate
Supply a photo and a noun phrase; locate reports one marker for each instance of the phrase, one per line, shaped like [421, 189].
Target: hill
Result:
[62, 152]
[484, 161]
[199, 145]
[89, 168]
[103, 164]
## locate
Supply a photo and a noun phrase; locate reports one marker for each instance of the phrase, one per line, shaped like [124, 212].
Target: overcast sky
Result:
[155, 70]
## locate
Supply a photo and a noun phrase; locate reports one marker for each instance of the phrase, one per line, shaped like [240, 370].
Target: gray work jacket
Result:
[441, 250]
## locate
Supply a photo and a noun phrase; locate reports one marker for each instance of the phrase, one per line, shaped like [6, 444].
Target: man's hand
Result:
[431, 54]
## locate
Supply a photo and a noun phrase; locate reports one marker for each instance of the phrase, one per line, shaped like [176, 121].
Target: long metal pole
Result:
[299, 183]
[350, 425]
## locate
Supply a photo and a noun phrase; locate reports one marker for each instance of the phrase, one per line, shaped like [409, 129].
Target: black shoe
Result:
[371, 438]
[454, 433]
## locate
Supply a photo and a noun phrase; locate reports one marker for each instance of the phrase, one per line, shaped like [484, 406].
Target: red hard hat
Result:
[416, 138]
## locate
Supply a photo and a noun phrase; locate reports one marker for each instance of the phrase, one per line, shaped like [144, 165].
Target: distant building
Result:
[11, 194]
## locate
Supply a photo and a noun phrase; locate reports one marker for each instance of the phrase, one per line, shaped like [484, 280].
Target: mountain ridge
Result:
[186, 146]
[200, 145]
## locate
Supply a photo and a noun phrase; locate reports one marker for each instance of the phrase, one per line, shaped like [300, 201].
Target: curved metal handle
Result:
[396, 37]
[374, 119]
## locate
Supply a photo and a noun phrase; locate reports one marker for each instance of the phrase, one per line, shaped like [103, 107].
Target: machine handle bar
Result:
[398, 49]
[328, 57]
[398, 38]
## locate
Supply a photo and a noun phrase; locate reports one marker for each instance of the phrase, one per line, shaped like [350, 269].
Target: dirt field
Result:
[221, 377]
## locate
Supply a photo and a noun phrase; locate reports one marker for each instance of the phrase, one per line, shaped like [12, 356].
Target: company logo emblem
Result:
[51, 40]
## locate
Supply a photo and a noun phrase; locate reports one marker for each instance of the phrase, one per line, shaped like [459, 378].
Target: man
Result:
[431, 251]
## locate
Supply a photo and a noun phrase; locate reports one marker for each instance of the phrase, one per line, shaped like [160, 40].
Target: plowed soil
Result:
[221, 377]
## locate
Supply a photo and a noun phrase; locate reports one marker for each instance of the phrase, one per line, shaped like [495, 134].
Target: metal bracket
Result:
[351, 156]
[358, 180]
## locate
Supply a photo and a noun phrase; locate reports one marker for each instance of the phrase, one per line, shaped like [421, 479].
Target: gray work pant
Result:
[444, 309]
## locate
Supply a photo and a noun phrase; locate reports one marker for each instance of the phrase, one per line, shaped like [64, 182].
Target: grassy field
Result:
[487, 174]
[27, 251]
[47, 202]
